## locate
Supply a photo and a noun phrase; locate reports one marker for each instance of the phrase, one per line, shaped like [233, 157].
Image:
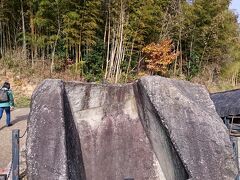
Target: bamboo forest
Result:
[117, 41]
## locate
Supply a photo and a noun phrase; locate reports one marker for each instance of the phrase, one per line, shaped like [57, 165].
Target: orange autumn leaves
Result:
[160, 56]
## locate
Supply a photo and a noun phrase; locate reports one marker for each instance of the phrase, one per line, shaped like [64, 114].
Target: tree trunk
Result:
[130, 60]
[53, 51]
[55, 43]
[24, 46]
[175, 63]
[108, 46]
[1, 41]
[9, 40]
[33, 44]
[120, 52]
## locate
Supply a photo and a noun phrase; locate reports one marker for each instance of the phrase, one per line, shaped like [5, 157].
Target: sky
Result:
[235, 5]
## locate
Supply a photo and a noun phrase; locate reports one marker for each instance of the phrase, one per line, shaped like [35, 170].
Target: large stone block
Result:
[153, 129]
[189, 117]
[46, 140]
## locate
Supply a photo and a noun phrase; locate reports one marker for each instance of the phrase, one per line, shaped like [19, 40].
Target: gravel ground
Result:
[19, 121]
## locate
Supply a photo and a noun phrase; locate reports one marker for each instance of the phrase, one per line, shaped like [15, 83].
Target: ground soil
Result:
[19, 121]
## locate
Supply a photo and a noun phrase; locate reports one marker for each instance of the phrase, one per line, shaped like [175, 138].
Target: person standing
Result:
[6, 102]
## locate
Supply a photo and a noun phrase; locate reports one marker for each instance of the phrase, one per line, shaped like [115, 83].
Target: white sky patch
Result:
[235, 6]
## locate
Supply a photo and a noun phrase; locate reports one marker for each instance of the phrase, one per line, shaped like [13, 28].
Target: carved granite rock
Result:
[153, 129]
[190, 119]
[46, 140]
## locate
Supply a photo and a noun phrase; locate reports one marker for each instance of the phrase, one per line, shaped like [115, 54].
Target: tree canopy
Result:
[114, 39]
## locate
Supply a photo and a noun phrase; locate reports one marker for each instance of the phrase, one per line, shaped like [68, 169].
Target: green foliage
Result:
[205, 32]
[93, 67]
[22, 101]
[193, 65]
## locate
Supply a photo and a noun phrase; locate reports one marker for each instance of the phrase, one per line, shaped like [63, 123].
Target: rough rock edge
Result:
[35, 94]
[56, 86]
[208, 107]
[144, 108]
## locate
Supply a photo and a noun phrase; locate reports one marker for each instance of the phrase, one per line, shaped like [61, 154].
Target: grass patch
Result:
[22, 102]
[222, 86]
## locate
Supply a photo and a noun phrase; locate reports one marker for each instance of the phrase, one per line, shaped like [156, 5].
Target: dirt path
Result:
[19, 121]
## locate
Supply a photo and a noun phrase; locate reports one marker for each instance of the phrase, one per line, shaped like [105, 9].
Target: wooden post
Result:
[3, 177]
[15, 154]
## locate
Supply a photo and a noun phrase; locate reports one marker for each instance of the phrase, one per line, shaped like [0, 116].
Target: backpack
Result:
[3, 96]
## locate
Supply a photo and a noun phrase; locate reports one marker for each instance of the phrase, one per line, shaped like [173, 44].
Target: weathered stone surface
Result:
[157, 133]
[227, 102]
[195, 129]
[114, 144]
[46, 140]
[154, 129]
